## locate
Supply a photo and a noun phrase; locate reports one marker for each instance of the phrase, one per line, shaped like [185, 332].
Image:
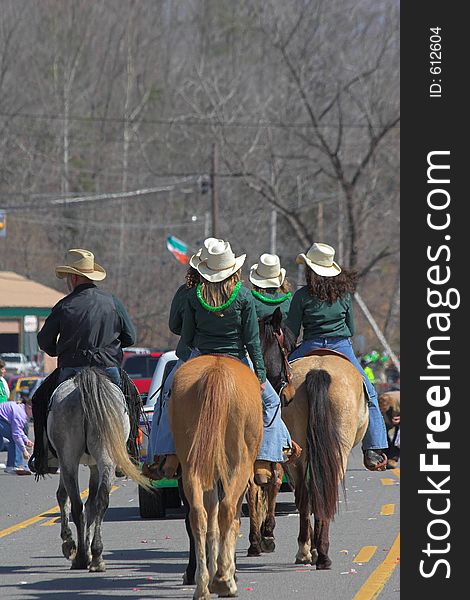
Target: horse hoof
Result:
[323, 564]
[224, 589]
[97, 567]
[69, 549]
[188, 579]
[254, 551]
[268, 544]
[305, 560]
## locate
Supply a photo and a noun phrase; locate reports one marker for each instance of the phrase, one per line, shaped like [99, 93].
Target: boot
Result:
[375, 460]
[263, 472]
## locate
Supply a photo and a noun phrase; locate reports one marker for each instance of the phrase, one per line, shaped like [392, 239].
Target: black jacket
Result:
[87, 327]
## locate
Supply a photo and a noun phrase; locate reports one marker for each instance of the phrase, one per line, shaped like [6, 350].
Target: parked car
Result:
[16, 363]
[153, 504]
[140, 367]
[22, 385]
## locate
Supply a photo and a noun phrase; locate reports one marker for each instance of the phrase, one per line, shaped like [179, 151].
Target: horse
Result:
[88, 424]
[215, 414]
[325, 409]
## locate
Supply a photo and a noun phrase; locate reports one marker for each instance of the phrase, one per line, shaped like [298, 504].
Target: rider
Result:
[270, 286]
[220, 318]
[324, 308]
[161, 440]
[87, 328]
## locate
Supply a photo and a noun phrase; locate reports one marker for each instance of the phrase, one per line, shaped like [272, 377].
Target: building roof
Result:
[19, 291]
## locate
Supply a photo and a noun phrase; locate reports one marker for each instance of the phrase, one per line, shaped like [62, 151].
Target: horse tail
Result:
[324, 449]
[207, 456]
[99, 399]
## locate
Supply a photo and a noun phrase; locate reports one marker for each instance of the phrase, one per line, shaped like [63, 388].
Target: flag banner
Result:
[179, 249]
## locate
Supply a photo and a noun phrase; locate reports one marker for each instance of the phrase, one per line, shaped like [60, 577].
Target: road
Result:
[146, 558]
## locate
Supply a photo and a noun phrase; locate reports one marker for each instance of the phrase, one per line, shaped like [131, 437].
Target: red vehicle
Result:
[140, 367]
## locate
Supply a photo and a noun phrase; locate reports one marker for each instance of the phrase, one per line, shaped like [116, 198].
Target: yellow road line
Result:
[396, 472]
[387, 509]
[386, 481]
[51, 512]
[365, 554]
[375, 583]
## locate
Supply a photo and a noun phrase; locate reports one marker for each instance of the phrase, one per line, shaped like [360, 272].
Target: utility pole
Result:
[215, 191]
[273, 240]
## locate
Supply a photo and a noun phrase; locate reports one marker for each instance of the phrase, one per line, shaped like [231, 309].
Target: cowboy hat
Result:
[267, 273]
[201, 254]
[81, 262]
[220, 263]
[320, 259]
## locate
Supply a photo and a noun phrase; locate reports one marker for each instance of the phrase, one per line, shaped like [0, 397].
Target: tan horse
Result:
[325, 410]
[328, 415]
[216, 417]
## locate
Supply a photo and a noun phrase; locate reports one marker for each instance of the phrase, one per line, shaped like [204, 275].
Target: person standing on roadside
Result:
[13, 418]
[4, 389]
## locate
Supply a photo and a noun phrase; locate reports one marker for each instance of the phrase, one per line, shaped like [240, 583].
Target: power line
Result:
[188, 122]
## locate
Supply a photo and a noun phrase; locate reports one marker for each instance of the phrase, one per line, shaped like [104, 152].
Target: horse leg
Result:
[198, 521]
[189, 574]
[90, 507]
[304, 540]
[254, 509]
[321, 542]
[267, 530]
[211, 504]
[224, 583]
[69, 549]
[69, 472]
[101, 505]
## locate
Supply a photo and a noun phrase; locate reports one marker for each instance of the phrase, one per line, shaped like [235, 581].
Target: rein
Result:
[285, 358]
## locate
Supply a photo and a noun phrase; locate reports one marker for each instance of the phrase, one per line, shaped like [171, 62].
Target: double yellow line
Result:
[53, 512]
[376, 581]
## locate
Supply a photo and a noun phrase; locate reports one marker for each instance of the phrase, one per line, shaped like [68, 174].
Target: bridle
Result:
[286, 373]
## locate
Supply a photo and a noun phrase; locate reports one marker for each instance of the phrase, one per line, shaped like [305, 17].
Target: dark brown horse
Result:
[216, 418]
[326, 412]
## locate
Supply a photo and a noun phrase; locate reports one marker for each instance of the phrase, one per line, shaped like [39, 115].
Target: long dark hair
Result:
[192, 277]
[330, 289]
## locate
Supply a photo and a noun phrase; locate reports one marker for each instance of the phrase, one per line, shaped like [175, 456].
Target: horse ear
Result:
[276, 319]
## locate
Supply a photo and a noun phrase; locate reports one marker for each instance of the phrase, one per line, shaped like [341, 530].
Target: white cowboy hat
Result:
[267, 273]
[320, 259]
[220, 263]
[81, 262]
[201, 254]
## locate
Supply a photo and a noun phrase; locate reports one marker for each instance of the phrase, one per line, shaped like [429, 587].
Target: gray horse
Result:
[88, 424]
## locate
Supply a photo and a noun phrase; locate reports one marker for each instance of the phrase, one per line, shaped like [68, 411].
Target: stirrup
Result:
[263, 472]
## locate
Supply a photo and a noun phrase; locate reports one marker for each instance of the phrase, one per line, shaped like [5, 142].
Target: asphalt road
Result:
[146, 558]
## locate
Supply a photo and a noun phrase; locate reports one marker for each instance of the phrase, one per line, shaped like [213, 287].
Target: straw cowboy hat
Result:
[220, 263]
[320, 259]
[201, 254]
[81, 262]
[267, 273]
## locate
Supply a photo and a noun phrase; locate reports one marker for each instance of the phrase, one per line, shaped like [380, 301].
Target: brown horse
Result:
[326, 412]
[216, 417]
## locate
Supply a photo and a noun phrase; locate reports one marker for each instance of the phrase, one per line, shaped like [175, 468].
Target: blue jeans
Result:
[14, 452]
[112, 372]
[375, 437]
[275, 433]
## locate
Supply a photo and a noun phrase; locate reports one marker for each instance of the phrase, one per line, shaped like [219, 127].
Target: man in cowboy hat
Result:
[87, 328]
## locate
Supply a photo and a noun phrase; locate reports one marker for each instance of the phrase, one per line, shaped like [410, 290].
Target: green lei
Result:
[222, 306]
[270, 300]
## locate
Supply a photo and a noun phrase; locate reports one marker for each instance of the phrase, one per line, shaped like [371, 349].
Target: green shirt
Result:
[175, 321]
[265, 309]
[318, 318]
[233, 334]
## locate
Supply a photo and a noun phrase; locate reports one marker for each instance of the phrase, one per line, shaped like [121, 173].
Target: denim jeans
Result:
[112, 372]
[376, 435]
[275, 433]
[14, 452]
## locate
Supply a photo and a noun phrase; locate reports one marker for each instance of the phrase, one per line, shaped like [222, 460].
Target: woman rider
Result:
[220, 318]
[161, 440]
[270, 286]
[323, 307]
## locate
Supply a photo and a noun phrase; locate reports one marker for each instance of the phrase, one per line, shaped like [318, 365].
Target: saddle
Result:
[326, 352]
